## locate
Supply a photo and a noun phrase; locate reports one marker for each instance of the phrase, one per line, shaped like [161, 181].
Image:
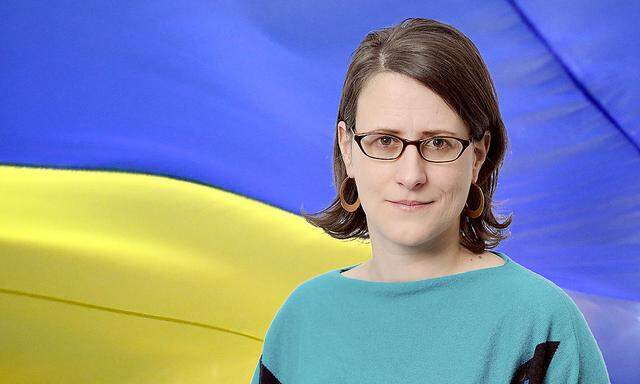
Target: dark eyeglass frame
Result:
[405, 142]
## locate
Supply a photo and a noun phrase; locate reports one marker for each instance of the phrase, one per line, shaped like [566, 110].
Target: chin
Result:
[409, 238]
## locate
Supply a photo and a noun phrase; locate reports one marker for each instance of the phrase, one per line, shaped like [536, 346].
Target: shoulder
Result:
[297, 310]
[312, 289]
[307, 293]
[540, 295]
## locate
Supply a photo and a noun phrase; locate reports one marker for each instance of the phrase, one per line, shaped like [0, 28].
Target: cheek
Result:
[454, 191]
[370, 181]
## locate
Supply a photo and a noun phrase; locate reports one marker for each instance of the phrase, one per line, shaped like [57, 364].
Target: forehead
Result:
[402, 104]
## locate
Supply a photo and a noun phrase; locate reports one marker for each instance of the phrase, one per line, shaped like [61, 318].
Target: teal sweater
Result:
[503, 324]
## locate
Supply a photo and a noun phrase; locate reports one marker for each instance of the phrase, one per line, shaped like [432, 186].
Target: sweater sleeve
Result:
[255, 379]
[579, 360]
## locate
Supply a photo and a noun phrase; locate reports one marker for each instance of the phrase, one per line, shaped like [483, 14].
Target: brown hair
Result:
[445, 60]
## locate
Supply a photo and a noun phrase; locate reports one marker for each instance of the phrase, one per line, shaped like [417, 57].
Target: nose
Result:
[411, 168]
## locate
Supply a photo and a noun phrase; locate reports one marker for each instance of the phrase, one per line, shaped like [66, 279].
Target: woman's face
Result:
[403, 104]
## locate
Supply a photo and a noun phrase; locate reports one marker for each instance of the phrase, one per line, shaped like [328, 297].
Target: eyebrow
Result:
[424, 133]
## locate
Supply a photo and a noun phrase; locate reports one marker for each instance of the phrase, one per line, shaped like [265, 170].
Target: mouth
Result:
[410, 206]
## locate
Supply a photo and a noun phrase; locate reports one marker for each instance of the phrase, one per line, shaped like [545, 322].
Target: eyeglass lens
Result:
[389, 147]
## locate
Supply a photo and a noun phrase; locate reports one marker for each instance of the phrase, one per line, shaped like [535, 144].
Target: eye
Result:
[436, 140]
[386, 140]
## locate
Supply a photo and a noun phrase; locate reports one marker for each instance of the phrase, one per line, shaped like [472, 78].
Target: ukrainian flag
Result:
[155, 158]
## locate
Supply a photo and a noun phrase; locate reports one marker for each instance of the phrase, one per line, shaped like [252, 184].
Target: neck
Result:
[398, 262]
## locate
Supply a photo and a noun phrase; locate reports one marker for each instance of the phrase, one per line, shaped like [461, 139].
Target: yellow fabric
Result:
[117, 277]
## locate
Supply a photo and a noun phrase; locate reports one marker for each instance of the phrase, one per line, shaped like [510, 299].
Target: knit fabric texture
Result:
[502, 324]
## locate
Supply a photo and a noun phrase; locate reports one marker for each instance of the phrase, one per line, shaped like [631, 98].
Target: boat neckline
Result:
[337, 275]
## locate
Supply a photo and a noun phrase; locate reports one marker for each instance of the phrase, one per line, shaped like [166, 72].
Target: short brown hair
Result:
[445, 60]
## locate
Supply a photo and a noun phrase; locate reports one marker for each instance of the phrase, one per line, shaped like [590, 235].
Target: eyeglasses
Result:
[385, 146]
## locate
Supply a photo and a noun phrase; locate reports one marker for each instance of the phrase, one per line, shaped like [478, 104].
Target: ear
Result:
[481, 149]
[344, 141]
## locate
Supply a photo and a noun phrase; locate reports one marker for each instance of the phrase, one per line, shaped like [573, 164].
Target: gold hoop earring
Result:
[478, 211]
[348, 207]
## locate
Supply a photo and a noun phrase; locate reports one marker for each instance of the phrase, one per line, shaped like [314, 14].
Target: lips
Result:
[416, 207]
[410, 203]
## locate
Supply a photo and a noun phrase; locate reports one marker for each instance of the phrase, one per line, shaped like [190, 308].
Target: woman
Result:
[419, 144]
